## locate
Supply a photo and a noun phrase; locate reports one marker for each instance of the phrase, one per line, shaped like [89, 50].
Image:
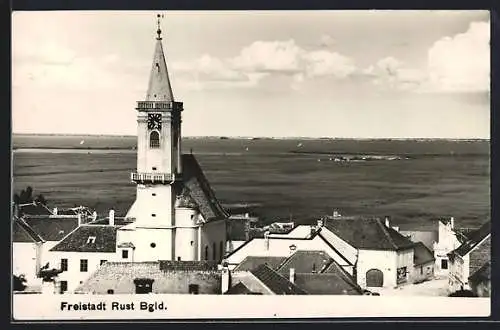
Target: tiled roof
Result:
[52, 228]
[482, 274]
[427, 237]
[159, 88]
[34, 208]
[251, 262]
[275, 282]
[369, 234]
[474, 239]
[239, 288]
[463, 234]
[167, 265]
[23, 233]
[78, 240]
[199, 189]
[422, 254]
[306, 262]
[326, 283]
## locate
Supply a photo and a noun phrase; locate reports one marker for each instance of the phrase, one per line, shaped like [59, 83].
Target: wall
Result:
[423, 272]
[143, 238]
[26, 260]
[186, 234]
[281, 248]
[146, 205]
[456, 276]
[405, 259]
[213, 232]
[447, 242]
[73, 275]
[122, 280]
[385, 261]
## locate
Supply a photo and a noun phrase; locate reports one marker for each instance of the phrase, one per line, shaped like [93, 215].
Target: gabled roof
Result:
[35, 208]
[306, 262]
[239, 288]
[369, 234]
[23, 233]
[326, 283]
[167, 265]
[474, 239]
[422, 254]
[199, 189]
[52, 228]
[78, 240]
[251, 262]
[275, 282]
[159, 88]
[482, 274]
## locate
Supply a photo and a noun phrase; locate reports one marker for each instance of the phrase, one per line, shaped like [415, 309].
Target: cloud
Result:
[326, 41]
[462, 62]
[392, 73]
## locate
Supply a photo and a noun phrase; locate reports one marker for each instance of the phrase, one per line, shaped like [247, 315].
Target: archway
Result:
[374, 278]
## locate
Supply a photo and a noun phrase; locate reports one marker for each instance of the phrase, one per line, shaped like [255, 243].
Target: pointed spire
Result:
[159, 88]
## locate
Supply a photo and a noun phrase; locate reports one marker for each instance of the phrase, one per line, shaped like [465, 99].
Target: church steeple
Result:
[159, 88]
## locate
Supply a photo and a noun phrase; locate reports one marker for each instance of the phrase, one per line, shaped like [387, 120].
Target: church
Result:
[176, 215]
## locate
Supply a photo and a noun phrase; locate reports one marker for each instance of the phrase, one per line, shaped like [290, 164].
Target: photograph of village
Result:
[251, 153]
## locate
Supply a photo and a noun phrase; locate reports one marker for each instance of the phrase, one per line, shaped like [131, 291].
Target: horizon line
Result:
[261, 137]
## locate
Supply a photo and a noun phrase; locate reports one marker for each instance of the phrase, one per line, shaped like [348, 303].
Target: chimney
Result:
[387, 221]
[54, 210]
[247, 230]
[94, 215]
[452, 222]
[292, 275]
[320, 223]
[111, 217]
[247, 215]
[336, 214]
[225, 278]
[266, 239]
[79, 219]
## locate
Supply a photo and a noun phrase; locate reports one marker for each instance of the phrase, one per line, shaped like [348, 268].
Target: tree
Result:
[19, 283]
[41, 199]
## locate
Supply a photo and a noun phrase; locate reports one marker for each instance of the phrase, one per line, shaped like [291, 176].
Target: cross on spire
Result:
[158, 16]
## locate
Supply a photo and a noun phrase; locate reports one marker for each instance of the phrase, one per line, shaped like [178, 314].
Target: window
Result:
[206, 252]
[221, 248]
[124, 254]
[111, 291]
[192, 243]
[178, 258]
[64, 265]
[214, 252]
[421, 270]
[444, 264]
[63, 286]
[194, 288]
[153, 215]
[154, 194]
[84, 265]
[143, 285]
[91, 240]
[401, 275]
[102, 261]
[154, 140]
[153, 245]
[154, 168]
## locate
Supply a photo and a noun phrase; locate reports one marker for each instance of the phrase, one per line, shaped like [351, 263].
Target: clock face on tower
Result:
[154, 120]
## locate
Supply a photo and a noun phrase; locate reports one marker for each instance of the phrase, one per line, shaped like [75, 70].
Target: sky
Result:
[344, 74]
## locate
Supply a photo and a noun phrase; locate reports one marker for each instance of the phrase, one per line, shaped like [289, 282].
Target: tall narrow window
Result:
[206, 252]
[63, 286]
[154, 139]
[214, 252]
[64, 265]
[221, 249]
[444, 264]
[124, 254]
[84, 265]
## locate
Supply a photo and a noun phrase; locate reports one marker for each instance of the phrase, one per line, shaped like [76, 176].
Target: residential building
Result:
[423, 263]
[180, 277]
[82, 252]
[469, 257]
[176, 214]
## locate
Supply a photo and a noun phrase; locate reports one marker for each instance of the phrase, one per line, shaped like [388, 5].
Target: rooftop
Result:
[473, 239]
[369, 234]
[252, 262]
[52, 228]
[198, 188]
[188, 266]
[306, 262]
[35, 208]
[275, 282]
[482, 274]
[422, 254]
[89, 238]
[326, 283]
[23, 233]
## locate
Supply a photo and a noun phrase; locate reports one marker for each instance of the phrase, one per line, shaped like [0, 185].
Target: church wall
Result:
[152, 244]
[213, 232]
[186, 241]
[158, 205]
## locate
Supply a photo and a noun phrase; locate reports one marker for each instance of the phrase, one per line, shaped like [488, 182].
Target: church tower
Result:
[176, 215]
[159, 167]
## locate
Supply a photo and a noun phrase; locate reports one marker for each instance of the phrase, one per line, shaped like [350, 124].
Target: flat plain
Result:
[278, 179]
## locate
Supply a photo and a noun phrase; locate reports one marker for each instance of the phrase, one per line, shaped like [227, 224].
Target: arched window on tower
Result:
[154, 139]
